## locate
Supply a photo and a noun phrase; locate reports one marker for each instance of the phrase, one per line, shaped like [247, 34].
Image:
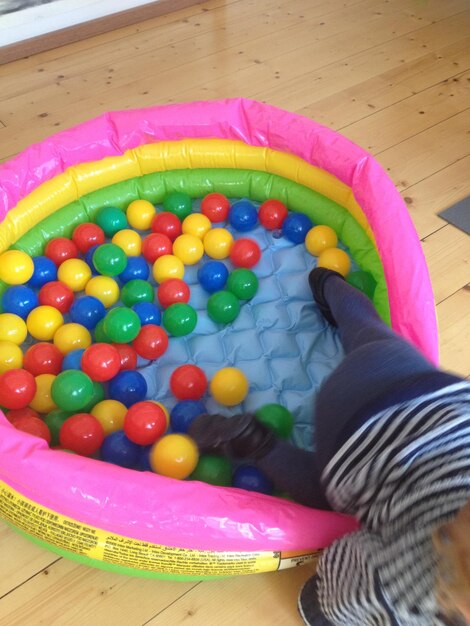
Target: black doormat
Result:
[458, 215]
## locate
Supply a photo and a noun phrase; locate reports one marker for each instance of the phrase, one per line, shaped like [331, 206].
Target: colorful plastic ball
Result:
[101, 362]
[179, 319]
[19, 300]
[89, 259]
[143, 464]
[167, 224]
[272, 214]
[17, 389]
[212, 276]
[167, 266]
[217, 243]
[43, 358]
[110, 414]
[119, 450]
[57, 295]
[335, 259]
[140, 214]
[245, 253]
[13, 328]
[229, 386]
[121, 325]
[14, 414]
[137, 290]
[178, 203]
[155, 246]
[196, 225]
[74, 273]
[128, 387]
[136, 269]
[175, 456]
[87, 235]
[43, 401]
[99, 334]
[109, 259]
[251, 478]
[171, 291]
[188, 248]
[276, 417]
[73, 360]
[87, 311]
[296, 227]
[72, 390]
[188, 382]
[45, 271]
[61, 249]
[151, 342]
[165, 410]
[111, 220]
[216, 207]
[129, 241]
[183, 414]
[363, 281]
[104, 288]
[97, 396]
[243, 284]
[54, 421]
[127, 355]
[148, 313]
[11, 356]
[16, 267]
[243, 216]
[82, 433]
[145, 422]
[33, 426]
[223, 307]
[320, 238]
[214, 470]
[72, 337]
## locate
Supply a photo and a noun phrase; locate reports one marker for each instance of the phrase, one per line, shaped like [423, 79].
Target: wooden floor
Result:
[392, 75]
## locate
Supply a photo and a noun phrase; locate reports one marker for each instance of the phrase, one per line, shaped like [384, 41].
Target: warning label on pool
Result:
[72, 536]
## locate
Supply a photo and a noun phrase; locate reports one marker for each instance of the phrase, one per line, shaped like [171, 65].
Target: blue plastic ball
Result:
[137, 267]
[45, 271]
[89, 259]
[212, 276]
[184, 412]
[120, 450]
[20, 300]
[87, 311]
[143, 463]
[251, 478]
[128, 387]
[148, 313]
[73, 360]
[296, 227]
[243, 216]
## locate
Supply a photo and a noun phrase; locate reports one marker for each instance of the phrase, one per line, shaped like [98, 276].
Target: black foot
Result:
[309, 605]
[316, 280]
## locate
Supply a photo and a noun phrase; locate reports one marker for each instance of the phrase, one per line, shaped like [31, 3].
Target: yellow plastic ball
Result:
[72, 337]
[16, 267]
[75, 273]
[110, 414]
[12, 328]
[129, 241]
[335, 259]
[188, 248]
[217, 243]
[42, 401]
[43, 322]
[11, 356]
[229, 386]
[167, 266]
[104, 288]
[164, 409]
[175, 456]
[140, 214]
[197, 225]
[320, 238]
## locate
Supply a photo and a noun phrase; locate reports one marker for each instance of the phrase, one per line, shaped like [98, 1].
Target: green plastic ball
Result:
[121, 325]
[276, 417]
[243, 284]
[363, 281]
[111, 220]
[109, 259]
[223, 307]
[137, 290]
[98, 396]
[100, 335]
[72, 390]
[213, 469]
[179, 319]
[54, 421]
[178, 203]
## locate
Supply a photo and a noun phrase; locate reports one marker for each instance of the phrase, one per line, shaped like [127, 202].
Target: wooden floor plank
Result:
[454, 327]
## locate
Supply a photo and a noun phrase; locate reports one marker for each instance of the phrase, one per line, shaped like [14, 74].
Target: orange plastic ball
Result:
[175, 456]
[335, 259]
[320, 238]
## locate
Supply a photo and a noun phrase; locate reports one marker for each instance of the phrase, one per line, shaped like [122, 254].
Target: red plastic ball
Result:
[60, 249]
[56, 294]
[82, 433]
[272, 214]
[173, 290]
[216, 207]
[145, 422]
[128, 356]
[17, 389]
[15, 414]
[87, 235]
[245, 253]
[156, 245]
[151, 342]
[188, 382]
[33, 426]
[101, 362]
[43, 358]
[167, 224]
